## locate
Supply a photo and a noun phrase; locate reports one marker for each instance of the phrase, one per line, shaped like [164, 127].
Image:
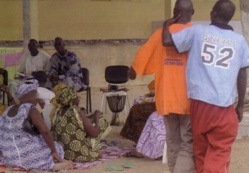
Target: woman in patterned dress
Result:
[25, 140]
[152, 139]
[78, 134]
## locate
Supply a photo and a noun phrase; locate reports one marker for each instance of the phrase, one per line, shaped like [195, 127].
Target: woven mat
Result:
[110, 150]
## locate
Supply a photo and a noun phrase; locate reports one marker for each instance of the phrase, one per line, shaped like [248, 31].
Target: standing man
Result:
[217, 59]
[65, 66]
[170, 89]
[32, 61]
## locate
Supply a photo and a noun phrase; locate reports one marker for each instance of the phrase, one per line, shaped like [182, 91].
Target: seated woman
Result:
[136, 120]
[152, 139]
[145, 127]
[79, 135]
[139, 113]
[25, 139]
[49, 109]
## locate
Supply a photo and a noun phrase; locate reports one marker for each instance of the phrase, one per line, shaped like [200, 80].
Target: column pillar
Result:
[30, 21]
[26, 23]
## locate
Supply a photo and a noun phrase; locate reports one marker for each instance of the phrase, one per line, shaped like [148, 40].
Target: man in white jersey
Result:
[217, 61]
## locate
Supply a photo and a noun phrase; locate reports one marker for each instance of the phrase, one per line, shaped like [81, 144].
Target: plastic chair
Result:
[5, 82]
[116, 76]
[87, 88]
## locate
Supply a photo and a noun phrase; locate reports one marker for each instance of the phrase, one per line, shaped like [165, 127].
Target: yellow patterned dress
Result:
[68, 130]
[2, 108]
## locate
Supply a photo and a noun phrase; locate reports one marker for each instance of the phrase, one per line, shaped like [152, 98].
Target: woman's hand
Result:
[91, 130]
[96, 115]
[56, 156]
[53, 77]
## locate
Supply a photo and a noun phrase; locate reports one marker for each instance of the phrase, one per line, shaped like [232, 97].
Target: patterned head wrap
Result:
[25, 88]
[55, 90]
[65, 96]
[58, 87]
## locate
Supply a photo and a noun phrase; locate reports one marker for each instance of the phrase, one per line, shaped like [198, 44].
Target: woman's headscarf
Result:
[65, 96]
[56, 89]
[26, 87]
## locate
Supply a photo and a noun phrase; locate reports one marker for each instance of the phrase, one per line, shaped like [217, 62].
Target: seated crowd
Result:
[43, 129]
[27, 142]
[63, 67]
[51, 121]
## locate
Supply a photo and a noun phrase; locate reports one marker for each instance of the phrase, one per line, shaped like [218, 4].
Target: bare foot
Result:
[133, 153]
[64, 165]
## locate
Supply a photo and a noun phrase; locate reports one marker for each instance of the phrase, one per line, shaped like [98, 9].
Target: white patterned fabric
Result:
[24, 88]
[153, 137]
[21, 149]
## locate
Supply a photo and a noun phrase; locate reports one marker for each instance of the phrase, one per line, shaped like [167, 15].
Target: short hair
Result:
[59, 39]
[225, 9]
[34, 40]
[184, 5]
[40, 76]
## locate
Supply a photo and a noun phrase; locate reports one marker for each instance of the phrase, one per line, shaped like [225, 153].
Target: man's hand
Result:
[239, 112]
[131, 73]
[170, 21]
[54, 77]
[166, 35]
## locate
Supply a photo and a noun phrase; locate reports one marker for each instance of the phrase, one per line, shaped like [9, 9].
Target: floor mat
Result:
[110, 150]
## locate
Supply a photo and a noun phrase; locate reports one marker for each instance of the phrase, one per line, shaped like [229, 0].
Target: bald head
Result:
[184, 9]
[223, 11]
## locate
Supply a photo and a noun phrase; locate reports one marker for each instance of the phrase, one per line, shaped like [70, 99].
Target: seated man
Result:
[65, 67]
[44, 95]
[32, 61]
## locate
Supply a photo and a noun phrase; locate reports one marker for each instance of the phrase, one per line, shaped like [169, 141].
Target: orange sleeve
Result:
[149, 55]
